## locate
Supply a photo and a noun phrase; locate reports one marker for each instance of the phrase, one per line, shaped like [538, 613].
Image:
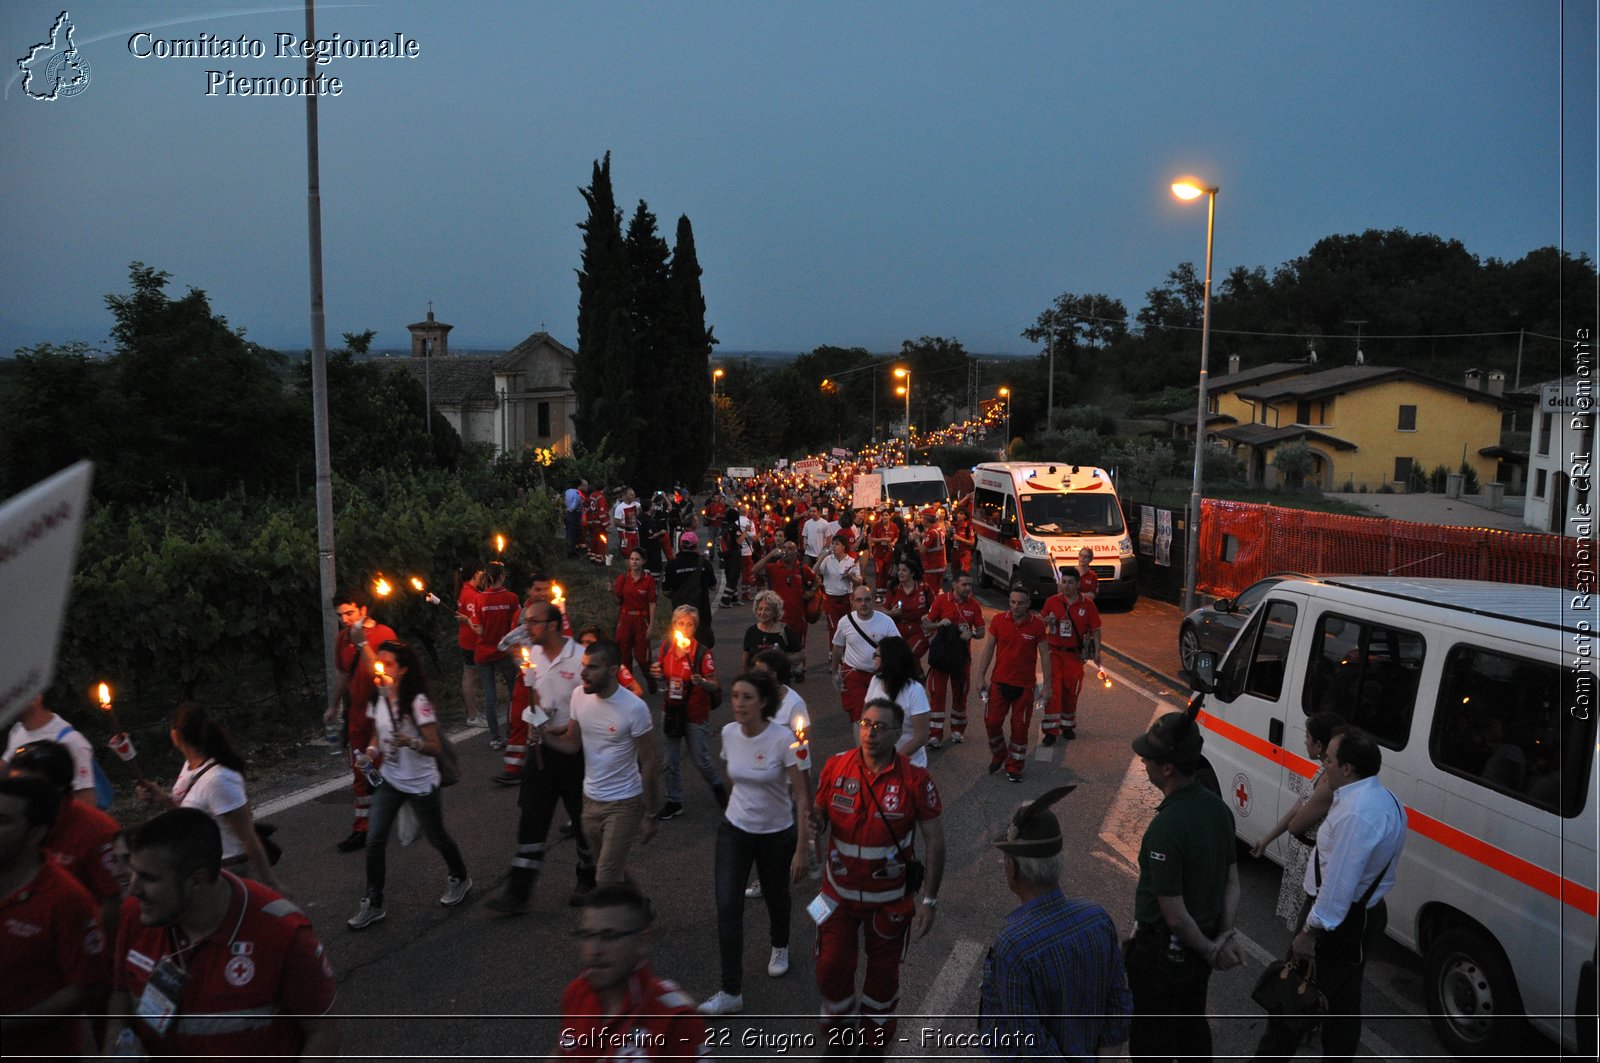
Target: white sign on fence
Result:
[868, 491]
[39, 531]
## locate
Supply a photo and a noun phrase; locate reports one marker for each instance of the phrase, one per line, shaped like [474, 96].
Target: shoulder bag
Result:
[915, 871]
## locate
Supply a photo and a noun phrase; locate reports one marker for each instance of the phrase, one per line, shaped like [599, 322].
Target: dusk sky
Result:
[857, 173]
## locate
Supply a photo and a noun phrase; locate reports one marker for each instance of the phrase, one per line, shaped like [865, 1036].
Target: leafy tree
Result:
[376, 417]
[58, 411]
[1078, 326]
[938, 377]
[1141, 464]
[1176, 305]
[1294, 463]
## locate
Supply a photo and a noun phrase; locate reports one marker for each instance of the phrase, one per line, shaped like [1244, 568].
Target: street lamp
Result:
[902, 373]
[1188, 188]
[1005, 446]
[716, 376]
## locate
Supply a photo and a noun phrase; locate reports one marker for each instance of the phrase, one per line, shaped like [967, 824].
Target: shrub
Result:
[1219, 465]
[1469, 479]
[1439, 479]
[1294, 463]
[1417, 482]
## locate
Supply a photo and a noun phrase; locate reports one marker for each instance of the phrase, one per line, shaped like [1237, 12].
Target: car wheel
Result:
[982, 570]
[1188, 647]
[1471, 994]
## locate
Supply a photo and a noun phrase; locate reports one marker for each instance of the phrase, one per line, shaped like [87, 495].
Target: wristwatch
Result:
[931, 902]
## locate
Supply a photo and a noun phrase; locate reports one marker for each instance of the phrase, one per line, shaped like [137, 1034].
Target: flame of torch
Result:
[103, 693]
[681, 639]
[417, 584]
[378, 669]
[381, 586]
[558, 595]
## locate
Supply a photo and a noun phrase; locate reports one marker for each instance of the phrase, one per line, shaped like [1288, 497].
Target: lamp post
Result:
[1188, 188]
[716, 376]
[902, 373]
[1005, 445]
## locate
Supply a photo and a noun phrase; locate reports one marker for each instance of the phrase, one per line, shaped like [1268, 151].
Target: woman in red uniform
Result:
[635, 592]
[907, 602]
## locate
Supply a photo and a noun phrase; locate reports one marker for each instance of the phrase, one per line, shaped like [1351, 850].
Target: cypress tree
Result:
[686, 388]
[605, 360]
[650, 321]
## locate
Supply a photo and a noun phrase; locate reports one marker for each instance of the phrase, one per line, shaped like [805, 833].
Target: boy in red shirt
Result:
[493, 614]
[1072, 630]
[355, 649]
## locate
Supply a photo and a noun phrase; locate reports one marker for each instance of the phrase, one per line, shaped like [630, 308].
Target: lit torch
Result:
[683, 641]
[1104, 679]
[499, 543]
[422, 589]
[558, 595]
[381, 587]
[120, 743]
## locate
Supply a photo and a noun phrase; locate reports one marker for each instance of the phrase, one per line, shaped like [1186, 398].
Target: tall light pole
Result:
[716, 375]
[1050, 388]
[1189, 188]
[902, 373]
[1005, 446]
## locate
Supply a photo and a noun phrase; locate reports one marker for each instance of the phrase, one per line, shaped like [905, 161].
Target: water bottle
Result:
[1176, 954]
[127, 1046]
[369, 769]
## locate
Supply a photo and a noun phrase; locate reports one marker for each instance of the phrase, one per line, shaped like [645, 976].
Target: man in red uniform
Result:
[1088, 582]
[467, 639]
[595, 516]
[792, 580]
[882, 534]
[55, 960]
[1016, 640]
[355, 650]
[962, 538]
[617, 1008]
[635, 592]
[625, 518]
[81, 840]
[1072, 630]
[210, 964]
[958, 611]
[517, 644]
[934, 558]
[870, 800]
[494, 614]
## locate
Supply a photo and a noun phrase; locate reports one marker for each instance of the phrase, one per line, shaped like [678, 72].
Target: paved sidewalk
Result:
[1147, 638]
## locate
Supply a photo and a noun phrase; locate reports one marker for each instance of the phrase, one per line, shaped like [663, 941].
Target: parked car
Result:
[1210, 628]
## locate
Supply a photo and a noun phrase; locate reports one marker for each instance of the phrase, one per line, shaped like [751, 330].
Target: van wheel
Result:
[1471, 994]
[1188, 647]
[982, 572]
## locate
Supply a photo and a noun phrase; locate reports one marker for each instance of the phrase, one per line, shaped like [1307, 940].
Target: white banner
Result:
[39, 532]
[810, 467]
[741, 472]
[868, 491]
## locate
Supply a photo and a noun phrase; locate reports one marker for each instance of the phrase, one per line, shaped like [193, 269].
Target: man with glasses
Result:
[855, 642]
[543, 698]
[617, 1007]
[355, 650]
[869, 803]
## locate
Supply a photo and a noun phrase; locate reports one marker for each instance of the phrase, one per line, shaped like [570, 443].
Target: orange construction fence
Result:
[1242, 542]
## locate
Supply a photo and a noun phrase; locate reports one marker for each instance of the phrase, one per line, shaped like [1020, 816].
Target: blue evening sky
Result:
[857, 173]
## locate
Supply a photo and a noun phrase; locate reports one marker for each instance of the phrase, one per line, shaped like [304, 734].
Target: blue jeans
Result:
[699, 739]
[506, 669]
[386, 802]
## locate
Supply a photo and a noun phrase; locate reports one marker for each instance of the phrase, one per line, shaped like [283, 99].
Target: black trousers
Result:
[559, 782]
[1341, 968]
[736, 851]
[1169, 1000]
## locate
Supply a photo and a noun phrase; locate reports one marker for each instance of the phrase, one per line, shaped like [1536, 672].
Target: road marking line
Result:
[1139, 689]
[952, 979]
[311, 793]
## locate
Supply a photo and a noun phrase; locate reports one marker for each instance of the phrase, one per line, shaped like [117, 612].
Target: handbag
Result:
[915, 870]
[1289, 990]
[264, 832]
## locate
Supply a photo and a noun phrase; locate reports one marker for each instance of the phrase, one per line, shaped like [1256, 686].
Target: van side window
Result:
[1367, 673]
[1268, 658]
[1499, 723]
[987, 506]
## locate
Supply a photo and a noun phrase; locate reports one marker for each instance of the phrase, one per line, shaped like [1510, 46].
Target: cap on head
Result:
[689, 539]
[1034, 830]
[1175, 738]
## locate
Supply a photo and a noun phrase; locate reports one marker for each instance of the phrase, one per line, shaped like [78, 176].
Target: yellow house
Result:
[1367, 426]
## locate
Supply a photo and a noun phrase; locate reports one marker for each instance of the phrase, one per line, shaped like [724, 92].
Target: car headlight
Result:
[1125, 547]
[1035, 548]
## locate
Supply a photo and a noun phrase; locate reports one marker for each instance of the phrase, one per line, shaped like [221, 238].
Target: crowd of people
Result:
[146, 924]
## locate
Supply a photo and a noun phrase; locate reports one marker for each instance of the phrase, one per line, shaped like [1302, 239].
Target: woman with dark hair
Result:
[908, 602]
[405, 749]
[764, 825]
[1301, 821]
[212, 780]
[899, 679]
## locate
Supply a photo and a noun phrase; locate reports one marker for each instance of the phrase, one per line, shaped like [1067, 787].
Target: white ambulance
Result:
[1483, 699]
[910, 489]
[1031, 518]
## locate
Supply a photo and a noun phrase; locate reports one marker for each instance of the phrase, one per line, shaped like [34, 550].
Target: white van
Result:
[913, 488]
[1031, 518]
[1482, 696]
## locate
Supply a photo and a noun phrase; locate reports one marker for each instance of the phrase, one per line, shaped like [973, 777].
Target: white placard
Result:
[810, 467]
[868, 491]
[39, 532]
[741, 472]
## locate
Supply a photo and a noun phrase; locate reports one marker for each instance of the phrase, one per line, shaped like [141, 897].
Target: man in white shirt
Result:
[1352, 869]
[625, 523]
[38, 724]
[855, 641]
[815, 533]
[543, 697]
[614, 733]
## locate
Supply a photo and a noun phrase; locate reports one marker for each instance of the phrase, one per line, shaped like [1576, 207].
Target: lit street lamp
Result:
[716, 375]
[902, 373]
[1189, 188]
[1005, 445]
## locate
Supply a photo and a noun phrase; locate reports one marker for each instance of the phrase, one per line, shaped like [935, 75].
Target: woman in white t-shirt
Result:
[764, 824]
[405, 749]
[212, 780]
[899, 678]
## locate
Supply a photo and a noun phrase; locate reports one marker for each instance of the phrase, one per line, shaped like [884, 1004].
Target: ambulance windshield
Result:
[917, 493]
[1072, 514]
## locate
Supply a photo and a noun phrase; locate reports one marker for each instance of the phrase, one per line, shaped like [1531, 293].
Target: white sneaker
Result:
[958, 738]
[366, 915]
[723, 1003]
[455, 891]
[753, 890]
[778, 966]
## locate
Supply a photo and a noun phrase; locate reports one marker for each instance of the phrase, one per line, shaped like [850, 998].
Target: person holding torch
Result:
[355, 651]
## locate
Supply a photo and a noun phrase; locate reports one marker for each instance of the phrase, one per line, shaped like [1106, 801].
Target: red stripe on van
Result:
[1549, 883]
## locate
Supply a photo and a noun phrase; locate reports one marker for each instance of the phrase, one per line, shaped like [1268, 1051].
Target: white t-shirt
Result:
[82, 752]
[837, 576]
[609, 727]
[404, 768]
[760, 801]
[554, 679]
[913, 700]
[216, 791]
[815, 533]
[858, 652]
[793, 703]
[747, 531]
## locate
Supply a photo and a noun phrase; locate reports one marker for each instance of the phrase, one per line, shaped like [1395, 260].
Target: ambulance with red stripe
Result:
[1030, 519]
[1483, 698]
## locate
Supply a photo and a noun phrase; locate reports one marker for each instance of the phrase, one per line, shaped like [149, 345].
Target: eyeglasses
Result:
[606, 935]
[535, 623]
[876, 728]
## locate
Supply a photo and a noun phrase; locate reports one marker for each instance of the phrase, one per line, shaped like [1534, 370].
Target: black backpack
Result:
[948, 651]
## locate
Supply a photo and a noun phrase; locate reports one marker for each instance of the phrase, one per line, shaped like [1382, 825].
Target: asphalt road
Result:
[435, 982]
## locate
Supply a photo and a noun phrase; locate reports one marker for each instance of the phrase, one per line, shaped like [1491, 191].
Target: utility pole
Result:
[1050, 390]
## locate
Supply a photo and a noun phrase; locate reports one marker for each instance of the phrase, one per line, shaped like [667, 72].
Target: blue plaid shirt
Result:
[1053, 982]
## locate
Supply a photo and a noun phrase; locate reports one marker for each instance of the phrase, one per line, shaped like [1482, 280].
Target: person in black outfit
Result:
[689, 580]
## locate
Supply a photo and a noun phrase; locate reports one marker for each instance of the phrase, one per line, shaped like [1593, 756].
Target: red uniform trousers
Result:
[933, 579]
[1066, 679]
[1020, 709]
[516, 751]
[854, 695]
[794, 614]
[630, 542]
[834, 606]
[887, 930]
[938, 684]
[633, 637]
[360, 730]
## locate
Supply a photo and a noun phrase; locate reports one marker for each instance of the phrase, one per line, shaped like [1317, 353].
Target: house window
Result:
[1544, 433]
[544, 420]
[1402, 470]
[1408, 418]
[1302, 413]
[1538, 483]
